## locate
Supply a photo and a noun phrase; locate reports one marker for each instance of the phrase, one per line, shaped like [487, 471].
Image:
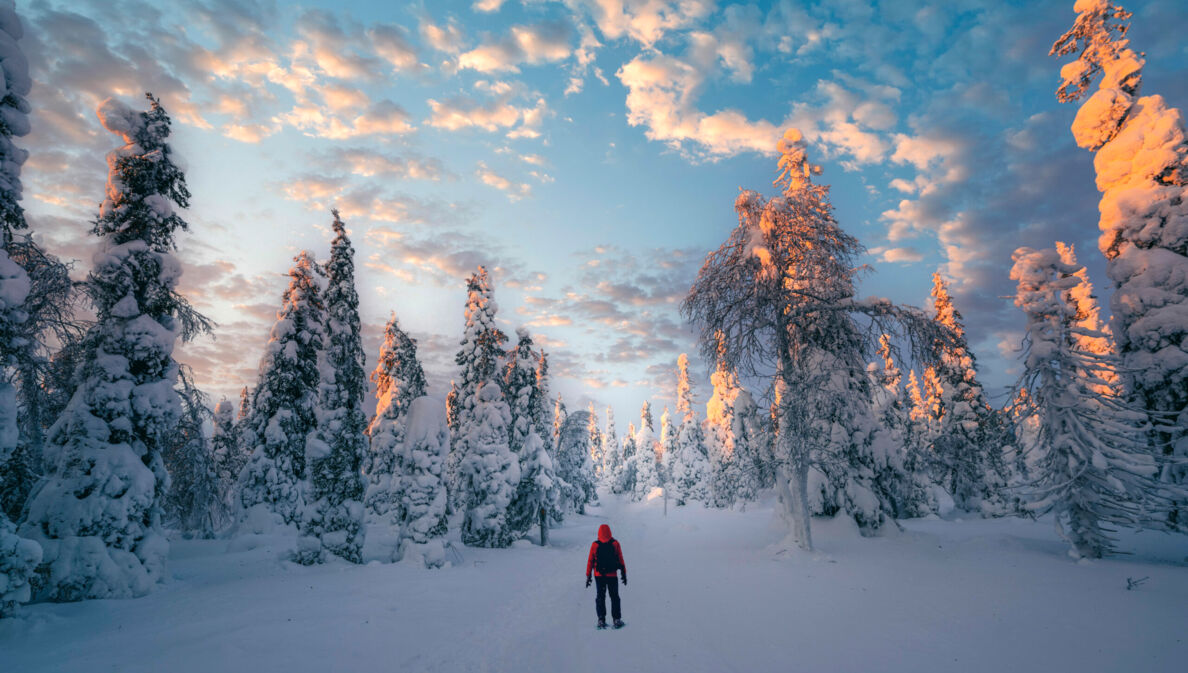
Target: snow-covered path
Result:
[709, 592]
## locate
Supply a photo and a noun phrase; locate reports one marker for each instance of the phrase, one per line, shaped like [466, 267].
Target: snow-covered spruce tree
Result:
[101, 541]
[967, 449]
[645, 464]
[192, 506]
[489, 471]
[452, 408]
[542, 403]
[333, 521]
[612, 455]
[421, 461]
[594, 442]
[780, 292]
[1096, 336]
[573, 464]
[559, 417]
[900, 467]
[731, 432]
[1094, 468]
[481, 360]
[624, 478]
[1142, 172]
[18, 556]
[537, 486]
[399, 379]
[225, 450]
[688, 466]
[284, 405]
[667, 448]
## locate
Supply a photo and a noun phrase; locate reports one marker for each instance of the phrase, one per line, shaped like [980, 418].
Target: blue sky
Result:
[588, 151]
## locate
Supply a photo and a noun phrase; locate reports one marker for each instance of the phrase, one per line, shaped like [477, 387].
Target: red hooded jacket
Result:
[604, 535]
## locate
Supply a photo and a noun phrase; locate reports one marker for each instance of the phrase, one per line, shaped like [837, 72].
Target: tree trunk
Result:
[792, 462]
[544, 527]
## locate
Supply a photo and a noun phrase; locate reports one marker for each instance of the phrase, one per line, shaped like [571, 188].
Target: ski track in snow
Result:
[709, 591]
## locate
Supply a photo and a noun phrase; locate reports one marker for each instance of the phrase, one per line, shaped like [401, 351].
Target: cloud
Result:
[447, 38]
[368, 162]
[540, 43]
[514, 190]
[645, 21]
[463, 112]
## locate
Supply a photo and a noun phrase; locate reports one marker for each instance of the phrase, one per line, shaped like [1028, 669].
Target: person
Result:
[606, 560]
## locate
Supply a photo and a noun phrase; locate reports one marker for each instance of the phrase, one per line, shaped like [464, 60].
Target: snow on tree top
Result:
[119, 118]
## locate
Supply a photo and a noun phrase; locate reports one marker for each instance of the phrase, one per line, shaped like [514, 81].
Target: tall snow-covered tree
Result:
[541, 402]
[333, 522]
[489, 471]
[399, 379]
[100, 541]
[421, 461]
[225, 450]
[688, 467]
[573, 462]
[1141, 160]
[538, 486]
[732, 434]
[624, 478]
[559, 417]
[192, 505]
[612, 456]
[900, 465]
[595, 441]
[18, 556]
[780, 292]
[481, 360]
[967, 446]
[1094, 468]
[646, 460]
[284, 405]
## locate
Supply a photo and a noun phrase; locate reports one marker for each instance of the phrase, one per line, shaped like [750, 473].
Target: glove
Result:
[624, 580]
[588, 582]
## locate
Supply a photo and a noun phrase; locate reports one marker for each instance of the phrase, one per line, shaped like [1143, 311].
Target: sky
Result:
[588, 152]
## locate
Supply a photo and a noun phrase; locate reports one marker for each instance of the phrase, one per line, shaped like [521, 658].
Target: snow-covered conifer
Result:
[624, 480]
[900, 467]
[481, 360]
[333, 522]
[646, 459]
[573, 464]
[538, 486]
[1094, 468]
[1141, 162]
[421, 461]
[731, 436]
[399, 379]
[284, 405]
[612, 457]
[18, 556]
[489, 471]
[225, 450]
[595, 442]
[688, 467]
[967, 448]
[102, 542]
[559, 417]
[192, 505]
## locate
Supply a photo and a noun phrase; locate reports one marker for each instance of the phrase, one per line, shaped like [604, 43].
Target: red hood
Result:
[604, 534]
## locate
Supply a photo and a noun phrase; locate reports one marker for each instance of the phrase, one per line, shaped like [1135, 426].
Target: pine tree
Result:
[1141, 160]
[667, 450]
[612, 458]
[559, 417]
[646, 458]
[421, 461]
[900, 467]
[538, 487]
[625, 478]
[192, 505]
[284, 405]
[333, 522]
[541, 402]
[489, 471]
[1094, 469]
[480, 358]
[225, 450]
[399, 379]
[967, 448]
[731, 436]
[689, 468]
[19, 556]
[99, 542]
[573, 464]
[594, 442]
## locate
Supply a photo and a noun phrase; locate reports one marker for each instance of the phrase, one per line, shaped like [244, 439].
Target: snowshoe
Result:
[601, 625]
[619, 623]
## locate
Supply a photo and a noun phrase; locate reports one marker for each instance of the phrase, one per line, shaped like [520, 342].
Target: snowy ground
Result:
[709, 591]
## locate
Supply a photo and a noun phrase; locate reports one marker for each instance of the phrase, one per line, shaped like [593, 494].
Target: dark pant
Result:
[608, 584]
